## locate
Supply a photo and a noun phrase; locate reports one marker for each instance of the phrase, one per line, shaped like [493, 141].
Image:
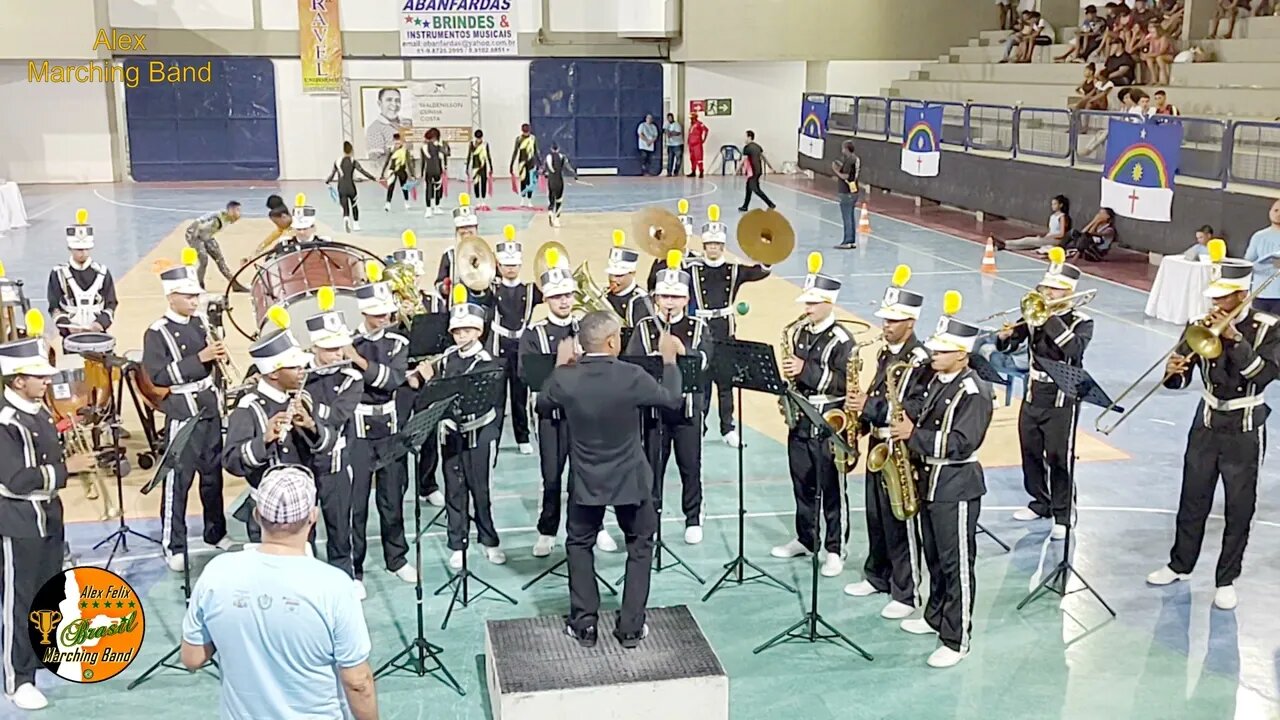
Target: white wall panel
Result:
[195, 14]
[55, 132]
[46, 30]
[309, 126]
[647, 17]
[766, 99]
[280, 14]
[867, 77]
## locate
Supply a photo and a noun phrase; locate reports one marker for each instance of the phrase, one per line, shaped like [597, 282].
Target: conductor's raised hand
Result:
[566, 353]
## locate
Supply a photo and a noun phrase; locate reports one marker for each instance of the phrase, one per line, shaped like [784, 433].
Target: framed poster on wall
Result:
[382, 109]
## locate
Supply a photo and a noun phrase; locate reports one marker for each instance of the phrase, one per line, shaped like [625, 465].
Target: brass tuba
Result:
[890, 458]
[403, 278]
[588, 297]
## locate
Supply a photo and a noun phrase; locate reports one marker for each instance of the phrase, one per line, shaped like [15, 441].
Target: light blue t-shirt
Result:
[1264, 246]
[282, 626]
[647, 134]
[675, 134]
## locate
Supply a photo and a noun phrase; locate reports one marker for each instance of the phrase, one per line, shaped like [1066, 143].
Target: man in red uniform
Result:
[697, 137]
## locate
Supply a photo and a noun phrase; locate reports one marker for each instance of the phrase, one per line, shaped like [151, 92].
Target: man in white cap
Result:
[630, 301]
[514, 302]
[816, 369]
[1046, 421]
[287, 628]
[32, 471]
[1228, 435]
[680, 430]
[82, 294]
[200, 235]
[893, 548]
[945, 437]
[177, 354]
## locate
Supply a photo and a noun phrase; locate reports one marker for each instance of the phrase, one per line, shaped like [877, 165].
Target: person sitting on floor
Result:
[1093, 241]
[1059, 226]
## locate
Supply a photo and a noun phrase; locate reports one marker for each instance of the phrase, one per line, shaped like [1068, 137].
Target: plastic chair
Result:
[730, 154]
[1009, 380]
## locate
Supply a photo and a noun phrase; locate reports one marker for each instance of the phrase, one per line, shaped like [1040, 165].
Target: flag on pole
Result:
[813, 125]
[921, 152]
[1137, 175]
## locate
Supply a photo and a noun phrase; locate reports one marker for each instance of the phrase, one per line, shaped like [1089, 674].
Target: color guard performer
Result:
[480, 168]
[177, 354]
[32, 471]
[524, 165]
[1228, 434]
[679, 430]
[515, 301]
[716, 282]
[816, 369]
[200, 235]
[893, 549]
[945, 437]
[630, 301]
[82, 294]
[1046, 423]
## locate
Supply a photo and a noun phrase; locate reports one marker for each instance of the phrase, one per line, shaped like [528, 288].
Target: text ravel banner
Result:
[458, 28]
[320, 46]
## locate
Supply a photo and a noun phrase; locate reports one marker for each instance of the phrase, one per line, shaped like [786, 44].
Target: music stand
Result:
[985, 371]
[652, 364]
[746, 366]
[478, 393]
[415, 655]
[536, 370]
[428, 335]
[809, 628]
[168, 463]
[1080, 387]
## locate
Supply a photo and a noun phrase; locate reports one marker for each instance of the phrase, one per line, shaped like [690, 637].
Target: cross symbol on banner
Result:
[919, 162]
[1133, 201]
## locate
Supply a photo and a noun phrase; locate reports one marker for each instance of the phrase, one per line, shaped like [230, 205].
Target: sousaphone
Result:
[474, 264]
[766, 236]
[540, 264]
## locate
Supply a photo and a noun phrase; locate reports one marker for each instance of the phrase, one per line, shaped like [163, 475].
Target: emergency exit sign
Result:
[721, 107]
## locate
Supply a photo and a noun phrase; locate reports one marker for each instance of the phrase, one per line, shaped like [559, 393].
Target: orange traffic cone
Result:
[989, 257]
[864, 222]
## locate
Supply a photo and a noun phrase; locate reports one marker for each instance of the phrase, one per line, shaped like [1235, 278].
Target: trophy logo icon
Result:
[45, 621]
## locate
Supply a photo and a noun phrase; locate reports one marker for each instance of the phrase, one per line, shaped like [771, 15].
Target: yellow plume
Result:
[815, 262]
[82, 216]
[409, 238]
[713, 213]
[373, 270]
[459, 294]
[901, 275]
[35, 323]
[674, 258]
[464, 199]
[619, 238]
[683, 206]
[300, 199]
[1, 269]
[326, 297]
[553, 258]
[951, 302]
[509, 232]
[279, 316]
[1057, 255]
[190, 257]
[1217, 249]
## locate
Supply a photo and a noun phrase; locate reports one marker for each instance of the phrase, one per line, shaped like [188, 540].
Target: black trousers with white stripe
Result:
[893, 546]
[553, 456]
[203, 455]
[514, 391]
[684, 440]
[26, 563]
[1045, 434]
[467, 472]
[392, 483]
[813, 465]
[950, 530]
[333, 491]
[1235, 456]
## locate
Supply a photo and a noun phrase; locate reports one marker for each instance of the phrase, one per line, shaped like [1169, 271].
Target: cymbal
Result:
[658, 231]
[475, 265]
[766, 236]
[540, 259]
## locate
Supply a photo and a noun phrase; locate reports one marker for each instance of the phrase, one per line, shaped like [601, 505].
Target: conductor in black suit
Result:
[602, 398]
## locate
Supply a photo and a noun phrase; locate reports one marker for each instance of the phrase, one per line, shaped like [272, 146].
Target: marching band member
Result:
[1228, 434]
[821, 348]
[177, 354]
[515, 301]
[716, 282]
[893, 549]
[946, 436]
[32, 471]
[82, 294]
[200, 235]
[1046, 423]
[382, 357]
[467, 443]
[659, 264]
[679, 430]
[465, 224]
[628, 299]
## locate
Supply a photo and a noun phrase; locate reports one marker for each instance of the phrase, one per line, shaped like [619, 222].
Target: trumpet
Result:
[1036, 309]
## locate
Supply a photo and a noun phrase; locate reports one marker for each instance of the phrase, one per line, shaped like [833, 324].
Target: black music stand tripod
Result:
[478, 394]
[1080, 387]
[420, 657]
[747, 366]
[168, 463]
[811, 627]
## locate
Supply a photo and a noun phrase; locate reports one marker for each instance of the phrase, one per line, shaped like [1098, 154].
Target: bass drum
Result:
[293, 279]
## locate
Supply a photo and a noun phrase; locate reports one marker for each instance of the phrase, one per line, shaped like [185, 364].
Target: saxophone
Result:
[784, 405]
[890, 458]
[844, 421]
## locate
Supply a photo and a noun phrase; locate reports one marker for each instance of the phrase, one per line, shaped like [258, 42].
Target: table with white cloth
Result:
[12, 212]
[1177, 295]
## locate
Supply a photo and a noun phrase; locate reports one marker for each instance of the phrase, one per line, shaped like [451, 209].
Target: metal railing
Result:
[1214, 149]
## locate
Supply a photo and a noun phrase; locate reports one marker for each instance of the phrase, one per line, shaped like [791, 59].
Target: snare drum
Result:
[292, 279]
[93, 347]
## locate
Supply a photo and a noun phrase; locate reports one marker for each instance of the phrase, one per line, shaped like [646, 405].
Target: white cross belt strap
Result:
[1240, 403]
[505, 333]
[1039, 376]
[192, 388]
[932, 461]
[824, 399]
[712, 314]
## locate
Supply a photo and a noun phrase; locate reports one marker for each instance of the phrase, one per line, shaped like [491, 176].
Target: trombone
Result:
[1036, 309]
[1204, 339]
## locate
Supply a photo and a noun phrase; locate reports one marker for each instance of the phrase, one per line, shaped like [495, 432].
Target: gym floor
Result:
[1167, 654]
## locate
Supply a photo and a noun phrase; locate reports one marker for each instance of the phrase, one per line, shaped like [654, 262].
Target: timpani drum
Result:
[293, 278]
[93, 347]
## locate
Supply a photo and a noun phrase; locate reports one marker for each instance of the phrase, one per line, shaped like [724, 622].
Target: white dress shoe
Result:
[896, 611]
[862, 588]
[1059, 532]
[175, 563]
[455, 560]
[605, 542]
[525, 448]
[917, 626]
[693, 535]
[945, 657]
[1225, 598]
[543, 546]
[1026, 514]
[407, 573]
[436, 499]
[1165, 576]
[361, 593]
[29, 697]
[495, 556]
[790, 550]
[833, 565]
[732, 439]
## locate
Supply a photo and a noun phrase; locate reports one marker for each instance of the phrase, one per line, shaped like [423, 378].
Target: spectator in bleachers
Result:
[1157, 54]
[1008, 16]
[1020, 28]
[1095, 92]
[1171, 14]
[1143, 13]
[1228, 10]
[1141, 107]
[1093, 241]
[1120, 65]
[1088, 37]
[1201, 248]
[1040, 34]
[1163, 106]
[1059, 227]
[1264, 253]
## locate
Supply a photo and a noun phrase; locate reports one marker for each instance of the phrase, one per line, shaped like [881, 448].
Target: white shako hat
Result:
[467, 315]
[952, 334]
[1060, 274]
[714, 231]
[278, 350]
[622, 260]
[1227, 275]
[509, 251]
[463, 215]
[409, 254]
[25, 357]
[557, 281]
[80, 235]
[671, 280]
[818, 288]
[900, 303]
[183, 278]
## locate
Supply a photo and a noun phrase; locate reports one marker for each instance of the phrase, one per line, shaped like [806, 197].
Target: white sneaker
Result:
[1059, 532]
[945, 657]
[495, 556]
[526, 449]
[428, 213]
[455, 560]
[225, 544]
[355, 226]
[861, 588]
[436, 499]
[407, 207]
[732, 439]
[1026, 514]
[439, 210]
[361, 593]
[1165, 576]
[896, 611]
[29, 697]
[174, 562]
[605, 542]
[1225, 598]
[543, 546]
[386, 207]
[790, 550]
[407, 573]
[346, 225]
[833, 565]
[693, 535]
[917, 626]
